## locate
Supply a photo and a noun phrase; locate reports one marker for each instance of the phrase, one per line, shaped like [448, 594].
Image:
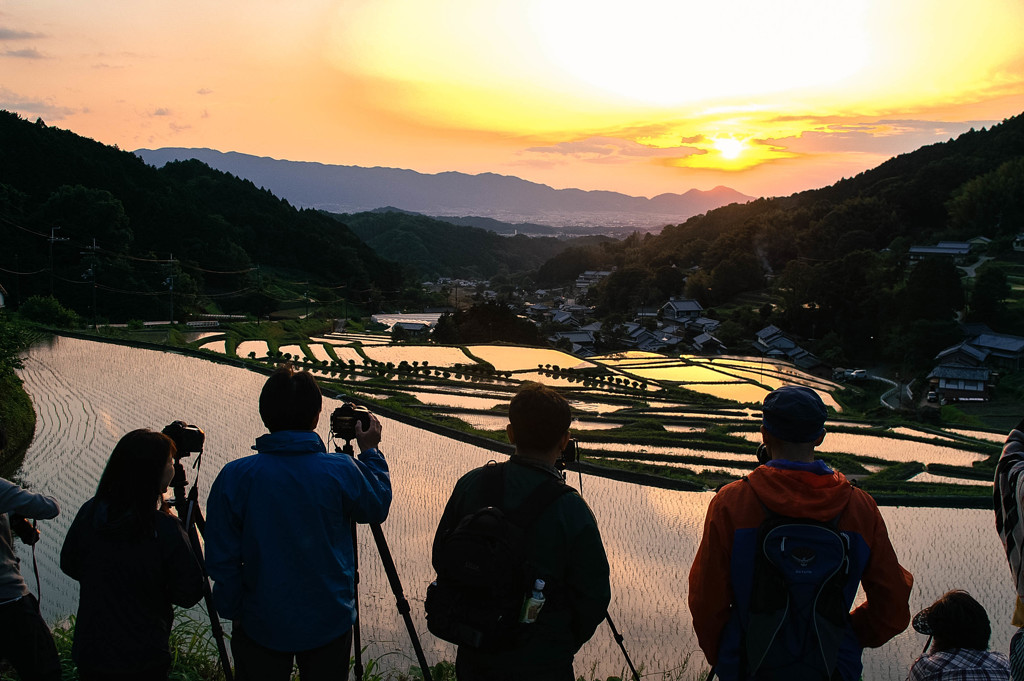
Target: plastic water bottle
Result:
[533, 603]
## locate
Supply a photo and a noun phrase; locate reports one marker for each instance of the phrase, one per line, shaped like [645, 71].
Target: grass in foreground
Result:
[195, 658]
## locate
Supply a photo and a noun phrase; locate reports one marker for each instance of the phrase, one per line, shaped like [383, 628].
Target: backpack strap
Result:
[493, 489]
[492, 484]
[535, 504]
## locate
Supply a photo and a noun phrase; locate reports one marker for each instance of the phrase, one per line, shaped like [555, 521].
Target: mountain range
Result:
[352, 189]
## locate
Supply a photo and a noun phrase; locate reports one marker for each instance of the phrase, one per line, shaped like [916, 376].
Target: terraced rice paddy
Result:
[87, 395]
[434, 356]
[258, 347]
[511, 358]
[890, 449]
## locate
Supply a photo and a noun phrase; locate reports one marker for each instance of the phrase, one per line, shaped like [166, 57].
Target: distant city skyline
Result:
[652, 96]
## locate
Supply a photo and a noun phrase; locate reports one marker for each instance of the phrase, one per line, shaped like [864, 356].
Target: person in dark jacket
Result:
[564, 548]
[25, 640]
[133, 561]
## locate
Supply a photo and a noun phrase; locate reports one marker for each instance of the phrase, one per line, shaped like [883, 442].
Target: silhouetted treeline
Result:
[437, 248]
[187, 226]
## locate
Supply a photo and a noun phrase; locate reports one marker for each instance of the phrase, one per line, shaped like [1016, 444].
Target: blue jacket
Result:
[279, 537]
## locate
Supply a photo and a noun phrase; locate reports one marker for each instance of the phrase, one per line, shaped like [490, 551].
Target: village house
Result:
[706, 344]
[957, 251]
[681, 310]
[772, 342]
[960, 383]
[590, 277]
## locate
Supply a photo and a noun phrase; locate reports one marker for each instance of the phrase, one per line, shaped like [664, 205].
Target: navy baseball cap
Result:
[794, 413]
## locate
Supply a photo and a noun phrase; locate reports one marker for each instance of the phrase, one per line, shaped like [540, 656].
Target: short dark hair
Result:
[539, 416]
[957, 621]
[290, 400]
[131, 479]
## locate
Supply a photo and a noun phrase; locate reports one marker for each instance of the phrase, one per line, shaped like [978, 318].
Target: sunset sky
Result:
[644, 97]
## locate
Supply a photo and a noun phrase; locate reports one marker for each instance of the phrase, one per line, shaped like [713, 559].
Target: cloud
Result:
[11, 34]
[886, 137]
[32, 108]
[204, 91]
[175, 127]
[162, 111]
[601, 149]
[27, 53]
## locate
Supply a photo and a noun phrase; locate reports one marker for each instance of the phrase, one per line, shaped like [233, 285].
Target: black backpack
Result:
[482, 576]
[798, 613]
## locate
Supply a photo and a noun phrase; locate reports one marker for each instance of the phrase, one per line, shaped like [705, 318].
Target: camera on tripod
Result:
[187, 439]
[344, 419]
[569, 455]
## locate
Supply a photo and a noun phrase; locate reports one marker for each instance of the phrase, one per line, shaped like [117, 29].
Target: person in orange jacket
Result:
[792, 483]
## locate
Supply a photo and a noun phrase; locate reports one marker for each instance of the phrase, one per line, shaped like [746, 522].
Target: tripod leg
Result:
[400, 600]
[618, 639]
[356, 642]
[195, 523]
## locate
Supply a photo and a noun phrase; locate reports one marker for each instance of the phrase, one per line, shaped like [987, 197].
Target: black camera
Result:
[344, 419]
[187, 439]
[24, 530]
[569, 455]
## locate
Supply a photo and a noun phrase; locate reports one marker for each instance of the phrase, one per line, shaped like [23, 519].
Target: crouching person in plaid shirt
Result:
[959, 626]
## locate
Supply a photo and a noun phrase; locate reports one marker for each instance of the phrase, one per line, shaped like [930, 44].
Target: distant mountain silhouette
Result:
[352, 189]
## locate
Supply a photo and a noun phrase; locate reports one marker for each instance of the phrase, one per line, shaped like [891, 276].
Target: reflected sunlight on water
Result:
[511, 358]
[930, 477]
[890, 449]
[214, 346]
[87, 395]
[433, 355]
[245, 347]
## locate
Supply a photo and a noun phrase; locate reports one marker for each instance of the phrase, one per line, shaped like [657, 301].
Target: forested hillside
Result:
[102, 216]
[437, 248]
[833, 262]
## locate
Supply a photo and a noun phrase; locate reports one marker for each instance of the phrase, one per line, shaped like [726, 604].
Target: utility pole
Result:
[53, 237]
[91, 272]
[169, 282]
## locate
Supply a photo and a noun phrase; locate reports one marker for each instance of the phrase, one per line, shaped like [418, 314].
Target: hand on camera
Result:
[369, 438]
[165, 507]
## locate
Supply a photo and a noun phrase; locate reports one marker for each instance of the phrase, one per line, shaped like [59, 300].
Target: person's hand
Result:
[369, 438]
[167, 508]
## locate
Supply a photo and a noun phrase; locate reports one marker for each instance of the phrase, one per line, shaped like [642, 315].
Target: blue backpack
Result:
[798, 614]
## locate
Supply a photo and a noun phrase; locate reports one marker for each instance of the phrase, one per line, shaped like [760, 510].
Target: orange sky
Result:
[766, 96]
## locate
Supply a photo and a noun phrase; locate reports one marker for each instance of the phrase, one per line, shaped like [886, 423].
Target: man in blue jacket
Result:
[279, 537]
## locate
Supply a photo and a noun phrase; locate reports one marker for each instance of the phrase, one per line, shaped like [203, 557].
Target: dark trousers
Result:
[26, 642]
[467, 669]
[254, 662]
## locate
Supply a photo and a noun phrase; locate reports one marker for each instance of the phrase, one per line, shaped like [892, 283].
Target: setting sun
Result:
[729, 148]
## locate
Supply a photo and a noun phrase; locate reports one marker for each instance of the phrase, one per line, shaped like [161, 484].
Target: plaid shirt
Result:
[961, 664]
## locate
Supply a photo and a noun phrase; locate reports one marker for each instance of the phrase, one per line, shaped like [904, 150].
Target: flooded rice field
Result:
[890, 449]
[87, 395]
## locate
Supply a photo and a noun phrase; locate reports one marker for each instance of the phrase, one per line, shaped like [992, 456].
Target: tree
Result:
[933, 291]
[991, 289]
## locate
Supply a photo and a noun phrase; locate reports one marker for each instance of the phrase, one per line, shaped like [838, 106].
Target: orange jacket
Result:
[811, 491]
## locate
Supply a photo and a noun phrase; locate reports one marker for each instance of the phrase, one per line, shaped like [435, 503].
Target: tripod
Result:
[192, 517]
[571, 457]
[396, 588]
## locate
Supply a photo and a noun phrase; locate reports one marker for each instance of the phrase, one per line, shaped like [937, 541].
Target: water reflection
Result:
[87, 395]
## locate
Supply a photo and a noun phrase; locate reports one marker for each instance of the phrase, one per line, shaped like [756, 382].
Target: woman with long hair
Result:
[133, 561]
